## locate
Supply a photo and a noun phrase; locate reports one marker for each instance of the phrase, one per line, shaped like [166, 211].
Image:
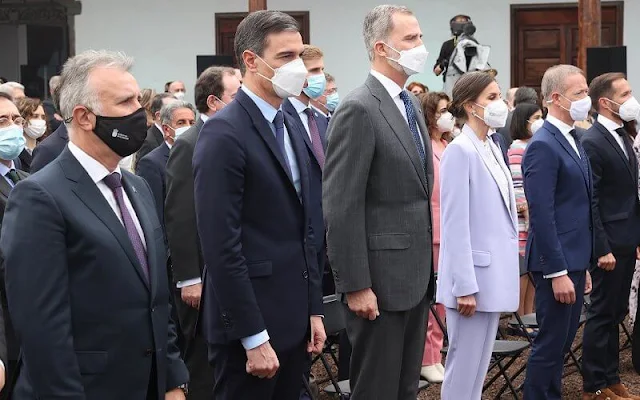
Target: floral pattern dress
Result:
[633, 296]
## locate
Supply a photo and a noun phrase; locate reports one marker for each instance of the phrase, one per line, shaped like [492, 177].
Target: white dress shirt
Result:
[97, 172]
[301, 109]
[490, 155]
[611, 127]
[564, 129]
[394, 91]
[4, 170]
[204, 117]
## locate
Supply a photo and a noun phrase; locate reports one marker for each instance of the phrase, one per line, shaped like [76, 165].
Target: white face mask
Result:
[181, 130]
[535, 125]
[495, 114]
[179, 95]
[36, 128]
[446, 123]
[579, 109]
[412, 61]
[629, 110]
[289, 79]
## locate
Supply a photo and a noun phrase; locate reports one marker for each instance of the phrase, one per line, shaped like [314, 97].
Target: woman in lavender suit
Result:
[478, 275]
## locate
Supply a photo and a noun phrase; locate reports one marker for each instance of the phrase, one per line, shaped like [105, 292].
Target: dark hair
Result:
[520, 120]
[468, 88]
[429, 102]
[526, 95]
[468, 18]
[253, 32]
[602, 86]
[158, 102]
[166, 86]
[210, 83]
[424, 88]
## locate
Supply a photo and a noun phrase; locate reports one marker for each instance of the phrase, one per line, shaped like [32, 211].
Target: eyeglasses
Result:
[6, 121]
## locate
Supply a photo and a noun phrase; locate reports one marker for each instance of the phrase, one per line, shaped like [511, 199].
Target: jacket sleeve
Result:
[180, 213]
[455, 230]
[38, 291]
[42, 155]
[219, 158]
[602, 246]
[150, 173]
[540, 168]
[346, 173]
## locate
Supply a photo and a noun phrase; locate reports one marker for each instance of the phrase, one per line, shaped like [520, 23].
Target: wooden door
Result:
[227, 24]
[543, 35]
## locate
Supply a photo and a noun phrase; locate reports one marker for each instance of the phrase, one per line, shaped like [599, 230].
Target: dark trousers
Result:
[387, 353]
[232, 381]
[609, 307]
[558, 324]
[194, 351]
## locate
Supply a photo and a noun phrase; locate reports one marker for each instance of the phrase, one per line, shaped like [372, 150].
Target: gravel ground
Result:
[572, 384]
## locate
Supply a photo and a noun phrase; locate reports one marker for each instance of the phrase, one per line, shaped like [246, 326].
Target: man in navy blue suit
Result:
[559, 189]
[262, 299]
[176, 118]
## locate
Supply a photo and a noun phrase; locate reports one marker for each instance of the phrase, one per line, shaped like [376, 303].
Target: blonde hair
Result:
[311, 53]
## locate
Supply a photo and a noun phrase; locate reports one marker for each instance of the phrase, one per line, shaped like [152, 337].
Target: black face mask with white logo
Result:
[123, 135]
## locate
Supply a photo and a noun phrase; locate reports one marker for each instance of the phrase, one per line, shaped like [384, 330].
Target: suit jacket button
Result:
[148, 352]
[305, 275]
[430, 229]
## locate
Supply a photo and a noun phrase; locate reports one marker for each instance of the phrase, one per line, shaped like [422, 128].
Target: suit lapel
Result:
[263, 128]
[142, 212]
[569, 149]
[291, 111]
[90, 195]
[399, 125]
[493, 170]
[5, 187]
[616, 147]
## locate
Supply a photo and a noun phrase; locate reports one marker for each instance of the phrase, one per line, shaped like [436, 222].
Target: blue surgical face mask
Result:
[11, 142]
[332, 101]
[315, 86]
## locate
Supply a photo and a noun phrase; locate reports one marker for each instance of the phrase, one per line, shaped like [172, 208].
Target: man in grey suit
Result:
[376, 196]
[215, 88]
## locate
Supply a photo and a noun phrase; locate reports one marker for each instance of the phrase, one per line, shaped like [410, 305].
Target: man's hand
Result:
[364, 303]
[262, 361]
[318, 336]
[607, 262]
[191, 295]
[175, 394]
[467, 305]
[638, 253]
[564, 290]
[2, 378]
[437, 70]
[588, 284]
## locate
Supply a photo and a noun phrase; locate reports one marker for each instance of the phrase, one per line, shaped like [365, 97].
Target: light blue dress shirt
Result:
[269, 112]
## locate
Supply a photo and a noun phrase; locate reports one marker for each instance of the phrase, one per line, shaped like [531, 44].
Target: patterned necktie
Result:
[13, 175]
[583, 155]
[278, 122]
[413, 126]
[316, 141]
[114, 183]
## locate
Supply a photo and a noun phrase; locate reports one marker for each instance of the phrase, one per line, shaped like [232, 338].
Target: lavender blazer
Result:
[479, 235]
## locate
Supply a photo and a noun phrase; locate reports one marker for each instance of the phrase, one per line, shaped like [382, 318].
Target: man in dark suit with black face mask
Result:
[86, 283]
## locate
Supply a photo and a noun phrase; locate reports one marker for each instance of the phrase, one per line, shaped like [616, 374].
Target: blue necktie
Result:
[278, 122]
[581, 152]
[413, 126]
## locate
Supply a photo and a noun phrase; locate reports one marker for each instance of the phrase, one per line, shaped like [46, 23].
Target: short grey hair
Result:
[253, 31]
[378, 25]
[54, 83]
[9, 87]
[554, 79]
[74, 81]
[166, 113]
[526, 95]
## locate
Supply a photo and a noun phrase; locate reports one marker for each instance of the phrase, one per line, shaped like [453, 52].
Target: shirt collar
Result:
[204, 117]
[319, 111]
[562, 127]
[298, 105]
[169, 145]
[609, 124]
[158, 126]
[268, 111]
[97, 172]
[390, 86]
[4, 170]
